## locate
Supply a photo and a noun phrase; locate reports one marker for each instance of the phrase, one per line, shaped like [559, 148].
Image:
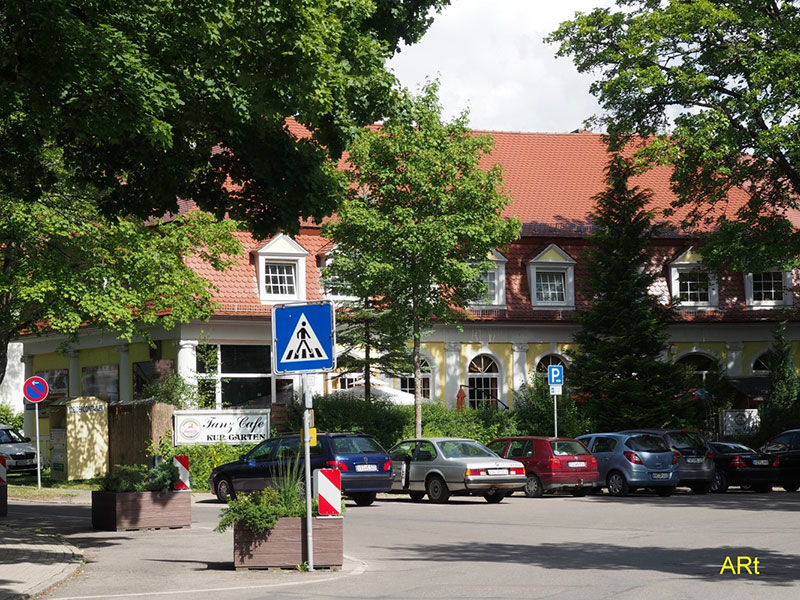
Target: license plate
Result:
[576, 463]
[497, 471]
[760, 462]
[26, 462]
[694, 460]
[659, 475]
[361, 468]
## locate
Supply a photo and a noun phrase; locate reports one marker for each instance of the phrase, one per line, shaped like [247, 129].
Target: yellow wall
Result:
[437, 351]
[506, 355]
[49, 361]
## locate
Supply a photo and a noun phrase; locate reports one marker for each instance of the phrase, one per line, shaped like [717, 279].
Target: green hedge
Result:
[9, 417]
[202, 458]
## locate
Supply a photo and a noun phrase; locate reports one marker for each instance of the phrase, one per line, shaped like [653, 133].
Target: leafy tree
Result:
[174, 98]
[64, 265]
[428, 222]
[781, 408]
[618, 369]
[722, 77]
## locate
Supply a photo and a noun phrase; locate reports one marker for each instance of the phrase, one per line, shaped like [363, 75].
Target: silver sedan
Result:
[441, 467]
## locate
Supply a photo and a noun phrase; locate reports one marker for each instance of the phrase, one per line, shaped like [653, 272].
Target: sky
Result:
[489, 58]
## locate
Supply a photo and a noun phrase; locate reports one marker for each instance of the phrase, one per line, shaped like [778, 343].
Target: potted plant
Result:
[269, 527]
[131, 497]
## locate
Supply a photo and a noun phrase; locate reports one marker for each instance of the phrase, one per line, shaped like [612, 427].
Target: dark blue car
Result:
[365, 466]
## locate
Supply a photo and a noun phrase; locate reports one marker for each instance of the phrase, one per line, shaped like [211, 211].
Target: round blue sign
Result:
[35, 389]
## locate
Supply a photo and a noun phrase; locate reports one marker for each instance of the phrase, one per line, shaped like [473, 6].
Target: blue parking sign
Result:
[555, 375]
[303, 338]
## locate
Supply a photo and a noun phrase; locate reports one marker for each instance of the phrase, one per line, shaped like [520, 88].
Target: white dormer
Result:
[281, 268]
[495, 280]
[552, 279]
[690, 284]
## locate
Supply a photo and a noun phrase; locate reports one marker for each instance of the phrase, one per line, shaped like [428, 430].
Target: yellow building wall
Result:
[437, 351]
[505, 353]
[50, 361]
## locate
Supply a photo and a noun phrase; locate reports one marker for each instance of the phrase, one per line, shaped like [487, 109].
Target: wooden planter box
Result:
[113, 511]
[285, 545]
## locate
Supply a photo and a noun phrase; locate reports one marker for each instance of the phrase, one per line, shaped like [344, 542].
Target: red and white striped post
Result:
[328, 491]
[182, 462]
[3, 487]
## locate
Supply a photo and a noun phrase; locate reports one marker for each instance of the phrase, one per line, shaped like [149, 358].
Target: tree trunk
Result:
[367, 381]
[4, 341]
[417, 382]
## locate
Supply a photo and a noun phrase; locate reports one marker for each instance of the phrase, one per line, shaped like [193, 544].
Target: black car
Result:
[786, 448]
[365, 466]
[736, 464]
[696, 460]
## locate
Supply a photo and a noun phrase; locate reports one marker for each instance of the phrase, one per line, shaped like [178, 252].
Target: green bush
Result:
[202, 458]
[137, 478]
[483, 424]
[533, 406]
[9, 417]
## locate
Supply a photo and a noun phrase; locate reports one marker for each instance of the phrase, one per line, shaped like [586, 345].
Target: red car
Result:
[551, 463]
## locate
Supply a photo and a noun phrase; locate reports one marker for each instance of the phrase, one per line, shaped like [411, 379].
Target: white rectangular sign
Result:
[556, 390]
[242, 426]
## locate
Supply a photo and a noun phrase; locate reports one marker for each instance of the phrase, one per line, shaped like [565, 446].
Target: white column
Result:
[74, 374]
[734, 362]
[452, 372]
[187, 361]
[520, 365]
[28, 416]
[125, 388]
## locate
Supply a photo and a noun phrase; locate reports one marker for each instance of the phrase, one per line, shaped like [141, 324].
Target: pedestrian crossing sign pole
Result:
[304, 342]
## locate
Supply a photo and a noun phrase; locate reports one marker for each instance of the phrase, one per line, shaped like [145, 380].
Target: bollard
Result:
[182, 462]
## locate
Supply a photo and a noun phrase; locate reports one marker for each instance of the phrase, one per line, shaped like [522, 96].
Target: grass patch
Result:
[24, 492]
[29, 481]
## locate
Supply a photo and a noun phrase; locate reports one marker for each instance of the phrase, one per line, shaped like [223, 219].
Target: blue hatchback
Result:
[626, 461]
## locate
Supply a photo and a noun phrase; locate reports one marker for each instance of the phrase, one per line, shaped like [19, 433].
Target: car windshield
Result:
[733, 449]
[688, 439]
[356, 445]
[567, 448]
[465, 449]
[10, 436]
[647, 443]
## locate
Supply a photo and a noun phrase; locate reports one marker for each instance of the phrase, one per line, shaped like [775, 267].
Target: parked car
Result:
[627, 461]
[441, 467]
[738, 465]
[696, 460]
[551, 463]
[20, 454]
[786, 448]
[365, 466]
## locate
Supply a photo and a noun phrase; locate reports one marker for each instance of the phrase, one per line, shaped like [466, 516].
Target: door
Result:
[401, 460]
[603, 449]
[251, 473]
[421, 464]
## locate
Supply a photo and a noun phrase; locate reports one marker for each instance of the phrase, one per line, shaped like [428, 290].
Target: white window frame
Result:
[786, 300]
[679, 266]
[282, 250]
[565, 266]
[499, 268]
[336, 298]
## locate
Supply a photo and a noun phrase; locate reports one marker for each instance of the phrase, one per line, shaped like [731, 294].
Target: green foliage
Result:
[172, 389]
[533, 407]
[419, 219]
[141, 91]
[202, 457]
[9, 417]
[481, 424]
[781, 407]
[137, 478]
[728, 69]
[618, 369]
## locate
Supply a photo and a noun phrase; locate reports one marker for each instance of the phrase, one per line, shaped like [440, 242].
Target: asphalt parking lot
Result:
[552, 547]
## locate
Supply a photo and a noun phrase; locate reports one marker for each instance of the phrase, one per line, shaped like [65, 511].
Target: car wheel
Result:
[791, 487]
[700, 488]
[494, 497]
[437, 490]
[416, 496]
[762, 488]
[364, 498]
[719, 484]
[533, 487]
[665, 491]
[580, 492]
[617, 485]
[225, 490]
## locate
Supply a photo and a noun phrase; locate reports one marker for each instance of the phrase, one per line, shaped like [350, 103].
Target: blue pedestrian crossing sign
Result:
[555, 375]
[303, 338]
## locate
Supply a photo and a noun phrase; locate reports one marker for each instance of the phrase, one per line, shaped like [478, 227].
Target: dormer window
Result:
[768, 289]
[281, 271]
[552, 279]
[495, 280]
[691, 285]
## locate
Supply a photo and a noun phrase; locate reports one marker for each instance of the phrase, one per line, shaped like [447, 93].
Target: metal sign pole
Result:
[555, 415]
[38, 452]
[307, 394]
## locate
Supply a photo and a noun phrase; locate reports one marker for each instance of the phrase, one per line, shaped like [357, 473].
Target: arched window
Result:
[701, 364]
[407, 381]
[483, 381]
[549, 360]
[761, 365]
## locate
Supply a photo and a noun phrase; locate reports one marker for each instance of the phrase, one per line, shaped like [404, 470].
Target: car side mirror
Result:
[26, 439]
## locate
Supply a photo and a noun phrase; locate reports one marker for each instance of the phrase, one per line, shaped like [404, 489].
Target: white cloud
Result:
[490, 58]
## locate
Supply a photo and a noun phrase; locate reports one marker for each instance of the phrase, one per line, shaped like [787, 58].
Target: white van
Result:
[20, 454]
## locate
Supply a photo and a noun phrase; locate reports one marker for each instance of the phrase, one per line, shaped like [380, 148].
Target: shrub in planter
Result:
[131, 497]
